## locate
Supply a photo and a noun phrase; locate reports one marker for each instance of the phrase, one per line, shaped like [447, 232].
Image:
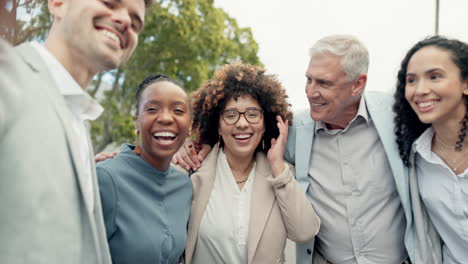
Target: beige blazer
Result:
[279, 210]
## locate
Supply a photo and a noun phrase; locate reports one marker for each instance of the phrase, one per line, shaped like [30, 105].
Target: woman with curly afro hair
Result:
[431, 122]
[246, 200]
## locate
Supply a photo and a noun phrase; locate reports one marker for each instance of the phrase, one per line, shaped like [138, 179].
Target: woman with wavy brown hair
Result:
[246, 200]
[431, 123]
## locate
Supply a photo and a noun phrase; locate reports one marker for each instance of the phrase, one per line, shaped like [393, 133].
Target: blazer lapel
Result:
[382, 118]
[304, 139]
[262, 200]
[203, 181]
[33, 59]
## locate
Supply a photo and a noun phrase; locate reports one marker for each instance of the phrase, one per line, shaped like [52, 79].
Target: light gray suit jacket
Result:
[427, 241]
[299, 148]
[44, 217]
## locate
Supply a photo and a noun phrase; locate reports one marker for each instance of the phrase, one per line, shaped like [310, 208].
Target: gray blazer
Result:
[298, 151]
[44, 217]
[427, 242]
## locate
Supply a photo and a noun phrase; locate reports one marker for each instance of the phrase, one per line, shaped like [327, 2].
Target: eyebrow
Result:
[434, 69]
[159, 102]
[248, 108]
[426, 72]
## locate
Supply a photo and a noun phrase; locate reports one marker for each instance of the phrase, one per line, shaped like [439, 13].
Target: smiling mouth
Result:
[317, 104]
[112, 36]
[165, 138]
[425, 106]
[243, 136]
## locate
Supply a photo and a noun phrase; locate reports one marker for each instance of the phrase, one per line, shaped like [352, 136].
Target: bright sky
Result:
[285, 30]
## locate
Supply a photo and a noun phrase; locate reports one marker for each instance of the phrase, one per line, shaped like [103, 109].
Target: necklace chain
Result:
[248, 173]
[443, 143]
[453, 162]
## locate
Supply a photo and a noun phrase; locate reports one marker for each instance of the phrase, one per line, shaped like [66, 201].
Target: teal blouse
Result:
[145, 210]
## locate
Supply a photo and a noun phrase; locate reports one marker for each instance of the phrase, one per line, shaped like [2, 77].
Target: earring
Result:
[137, 142]
[263, 143]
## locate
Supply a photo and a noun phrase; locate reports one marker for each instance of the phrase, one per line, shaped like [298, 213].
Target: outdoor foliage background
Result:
[185, 39]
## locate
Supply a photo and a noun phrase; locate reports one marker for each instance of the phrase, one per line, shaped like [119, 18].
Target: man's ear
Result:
[57, 8]
[359, 85]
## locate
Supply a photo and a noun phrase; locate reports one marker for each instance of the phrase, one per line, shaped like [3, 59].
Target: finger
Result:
[186, 161]
[179, 158]
[182, 162]
[98, 158]
[281, 127]
[281, 124]
[273, 142]
[103, 156]
[286, 129]
[279, 119]
[192, 153]
[203, 152]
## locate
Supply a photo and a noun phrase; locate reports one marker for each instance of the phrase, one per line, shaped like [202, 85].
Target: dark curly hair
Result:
[232, 81]
[408, 127]
[150, 79]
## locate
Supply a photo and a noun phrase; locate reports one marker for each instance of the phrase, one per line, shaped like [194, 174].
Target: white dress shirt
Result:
[445, 196]
[224, 227]
[354, 193]
[82, 106]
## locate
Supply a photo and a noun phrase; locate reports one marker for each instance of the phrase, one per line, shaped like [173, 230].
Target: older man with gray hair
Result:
[347, 161]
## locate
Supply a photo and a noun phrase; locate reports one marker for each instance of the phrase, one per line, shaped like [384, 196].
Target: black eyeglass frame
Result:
[239, 113]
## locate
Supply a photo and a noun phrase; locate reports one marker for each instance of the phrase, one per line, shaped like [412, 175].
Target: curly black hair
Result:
[150, 79]
[408, 127]
[232, 81]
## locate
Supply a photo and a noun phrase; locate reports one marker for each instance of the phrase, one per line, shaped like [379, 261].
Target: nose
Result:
[242, 122]
[311, 90]
[421, 87]
[165, 117]
[121, 19]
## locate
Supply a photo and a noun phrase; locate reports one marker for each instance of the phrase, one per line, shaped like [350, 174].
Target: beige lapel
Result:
[262, 200]
[202, 181]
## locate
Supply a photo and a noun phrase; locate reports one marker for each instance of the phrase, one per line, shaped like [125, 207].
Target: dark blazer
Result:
[44, 217]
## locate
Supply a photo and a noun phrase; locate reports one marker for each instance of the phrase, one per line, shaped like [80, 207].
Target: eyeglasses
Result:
[252, 115]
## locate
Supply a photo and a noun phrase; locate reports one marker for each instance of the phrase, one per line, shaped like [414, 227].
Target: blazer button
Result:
[309, 251]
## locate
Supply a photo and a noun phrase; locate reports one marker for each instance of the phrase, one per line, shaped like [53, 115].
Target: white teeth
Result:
[164, 134]
[111, 36]
[426, 104]
[317, 104]
[243, 136]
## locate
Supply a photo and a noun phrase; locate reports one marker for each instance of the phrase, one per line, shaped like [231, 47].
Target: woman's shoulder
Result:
[179, 173]
[117, 164]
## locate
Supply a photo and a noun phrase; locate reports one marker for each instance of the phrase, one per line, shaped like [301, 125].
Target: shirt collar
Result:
[80, 102]
[362, 112]
[424, 143]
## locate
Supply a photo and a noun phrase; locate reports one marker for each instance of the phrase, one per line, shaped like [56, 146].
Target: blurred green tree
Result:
[185, 39]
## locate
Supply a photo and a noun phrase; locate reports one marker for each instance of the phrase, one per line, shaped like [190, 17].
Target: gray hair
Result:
[354, 55]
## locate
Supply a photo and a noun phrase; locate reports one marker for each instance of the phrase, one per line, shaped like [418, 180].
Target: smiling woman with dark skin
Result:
[146, 202]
